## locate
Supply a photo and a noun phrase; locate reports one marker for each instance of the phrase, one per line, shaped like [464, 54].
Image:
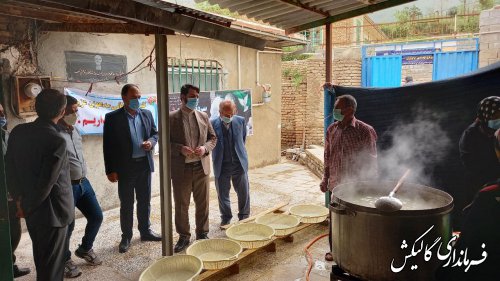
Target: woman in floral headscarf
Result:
[477, 149]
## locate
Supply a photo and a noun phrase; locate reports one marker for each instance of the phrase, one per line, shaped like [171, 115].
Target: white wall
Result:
[264, 147]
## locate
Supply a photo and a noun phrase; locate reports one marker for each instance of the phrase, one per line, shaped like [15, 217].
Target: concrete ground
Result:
[268, 186]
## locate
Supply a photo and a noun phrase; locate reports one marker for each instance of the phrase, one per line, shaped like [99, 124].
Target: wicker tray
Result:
[282, 224]
[174, 268]
[251, 235]
[310, 213]
[215, 253]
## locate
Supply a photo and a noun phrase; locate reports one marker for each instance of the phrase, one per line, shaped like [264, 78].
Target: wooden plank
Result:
[35, 4]
[271, 247]
[270, 210]
[30, 13]
[139, 12]
[128, 28]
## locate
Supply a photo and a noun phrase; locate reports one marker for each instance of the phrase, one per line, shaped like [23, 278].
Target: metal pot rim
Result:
[351, 207]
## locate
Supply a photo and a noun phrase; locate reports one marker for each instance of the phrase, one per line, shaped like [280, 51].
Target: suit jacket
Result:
[37, 172]
[178, 140]
[117, 141]
[239, 139]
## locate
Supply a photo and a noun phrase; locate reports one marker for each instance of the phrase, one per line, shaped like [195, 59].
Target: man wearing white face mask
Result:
[192, 138]
[83, 193]
[230, 161]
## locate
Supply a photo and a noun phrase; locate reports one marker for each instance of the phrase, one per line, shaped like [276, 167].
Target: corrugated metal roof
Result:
[175, 8]
[297, 15]
[275, 37]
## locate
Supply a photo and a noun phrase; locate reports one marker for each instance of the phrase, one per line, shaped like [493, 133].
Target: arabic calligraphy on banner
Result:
[93, 108]
[453, 257]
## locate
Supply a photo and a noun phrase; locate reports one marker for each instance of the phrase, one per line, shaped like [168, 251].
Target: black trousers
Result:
[137, 179]
[15, 229]
[48, 250]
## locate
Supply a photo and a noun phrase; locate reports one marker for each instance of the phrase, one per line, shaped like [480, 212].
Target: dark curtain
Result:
[454, 99]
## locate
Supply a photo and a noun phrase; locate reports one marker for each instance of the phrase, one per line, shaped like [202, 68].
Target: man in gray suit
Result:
[192, 138]
[231, 161]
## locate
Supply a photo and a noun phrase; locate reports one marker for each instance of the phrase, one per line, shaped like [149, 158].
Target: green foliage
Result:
[215, 9]
[289, 54]
[296, 76]
[413, 24]
[486, 4]
[292, 57]
[408, 13]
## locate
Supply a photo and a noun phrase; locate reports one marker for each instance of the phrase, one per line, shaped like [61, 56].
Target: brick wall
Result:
[489, 38]
[302, 104]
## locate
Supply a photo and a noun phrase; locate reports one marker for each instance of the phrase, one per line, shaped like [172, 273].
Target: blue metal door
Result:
[381, 71]
[451, 64]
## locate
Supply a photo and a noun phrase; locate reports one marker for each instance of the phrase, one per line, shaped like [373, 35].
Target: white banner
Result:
[92, 109]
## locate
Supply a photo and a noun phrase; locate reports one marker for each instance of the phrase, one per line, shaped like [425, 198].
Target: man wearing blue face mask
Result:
[230, 161]
[192, 138]
[477, 149]
[128, 141]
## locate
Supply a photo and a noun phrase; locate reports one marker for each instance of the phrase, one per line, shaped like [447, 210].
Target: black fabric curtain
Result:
[455, 100]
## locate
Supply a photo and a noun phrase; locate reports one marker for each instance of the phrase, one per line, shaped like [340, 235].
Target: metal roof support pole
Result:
[164, 142]
[329, 97]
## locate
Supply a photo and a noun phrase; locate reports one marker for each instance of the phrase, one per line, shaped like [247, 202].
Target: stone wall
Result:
[302, 103]
[489, 38]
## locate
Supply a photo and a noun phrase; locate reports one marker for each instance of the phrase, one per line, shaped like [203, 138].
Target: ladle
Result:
[390, 203]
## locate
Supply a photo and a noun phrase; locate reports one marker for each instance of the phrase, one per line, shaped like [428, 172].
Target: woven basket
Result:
[310, 213]
[283, 224]
[174, 268]
[251, 235]
[215, 253]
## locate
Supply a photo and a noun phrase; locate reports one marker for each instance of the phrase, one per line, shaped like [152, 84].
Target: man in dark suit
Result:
[129, 138]
[14, 221]
[192, 138]
[231, 161]
[38, 176]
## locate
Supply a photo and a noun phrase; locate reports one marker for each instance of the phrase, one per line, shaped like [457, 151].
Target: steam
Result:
[417, 145]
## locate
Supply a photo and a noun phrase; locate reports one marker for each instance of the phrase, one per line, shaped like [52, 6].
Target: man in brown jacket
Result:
[192, 139]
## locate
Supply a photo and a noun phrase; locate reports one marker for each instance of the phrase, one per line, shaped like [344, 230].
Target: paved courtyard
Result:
[268, 186]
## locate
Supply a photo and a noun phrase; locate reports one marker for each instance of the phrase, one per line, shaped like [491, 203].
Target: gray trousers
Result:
[234, 173]
[48, 250]
[193, 180]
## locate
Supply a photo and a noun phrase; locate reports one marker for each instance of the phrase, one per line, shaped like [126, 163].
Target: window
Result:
[205, 74]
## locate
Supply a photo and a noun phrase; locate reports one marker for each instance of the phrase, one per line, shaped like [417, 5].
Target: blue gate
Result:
[452, 64]
[382, 65]
[381, 71]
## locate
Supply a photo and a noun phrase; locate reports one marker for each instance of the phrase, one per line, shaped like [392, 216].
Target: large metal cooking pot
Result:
[366, 240]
